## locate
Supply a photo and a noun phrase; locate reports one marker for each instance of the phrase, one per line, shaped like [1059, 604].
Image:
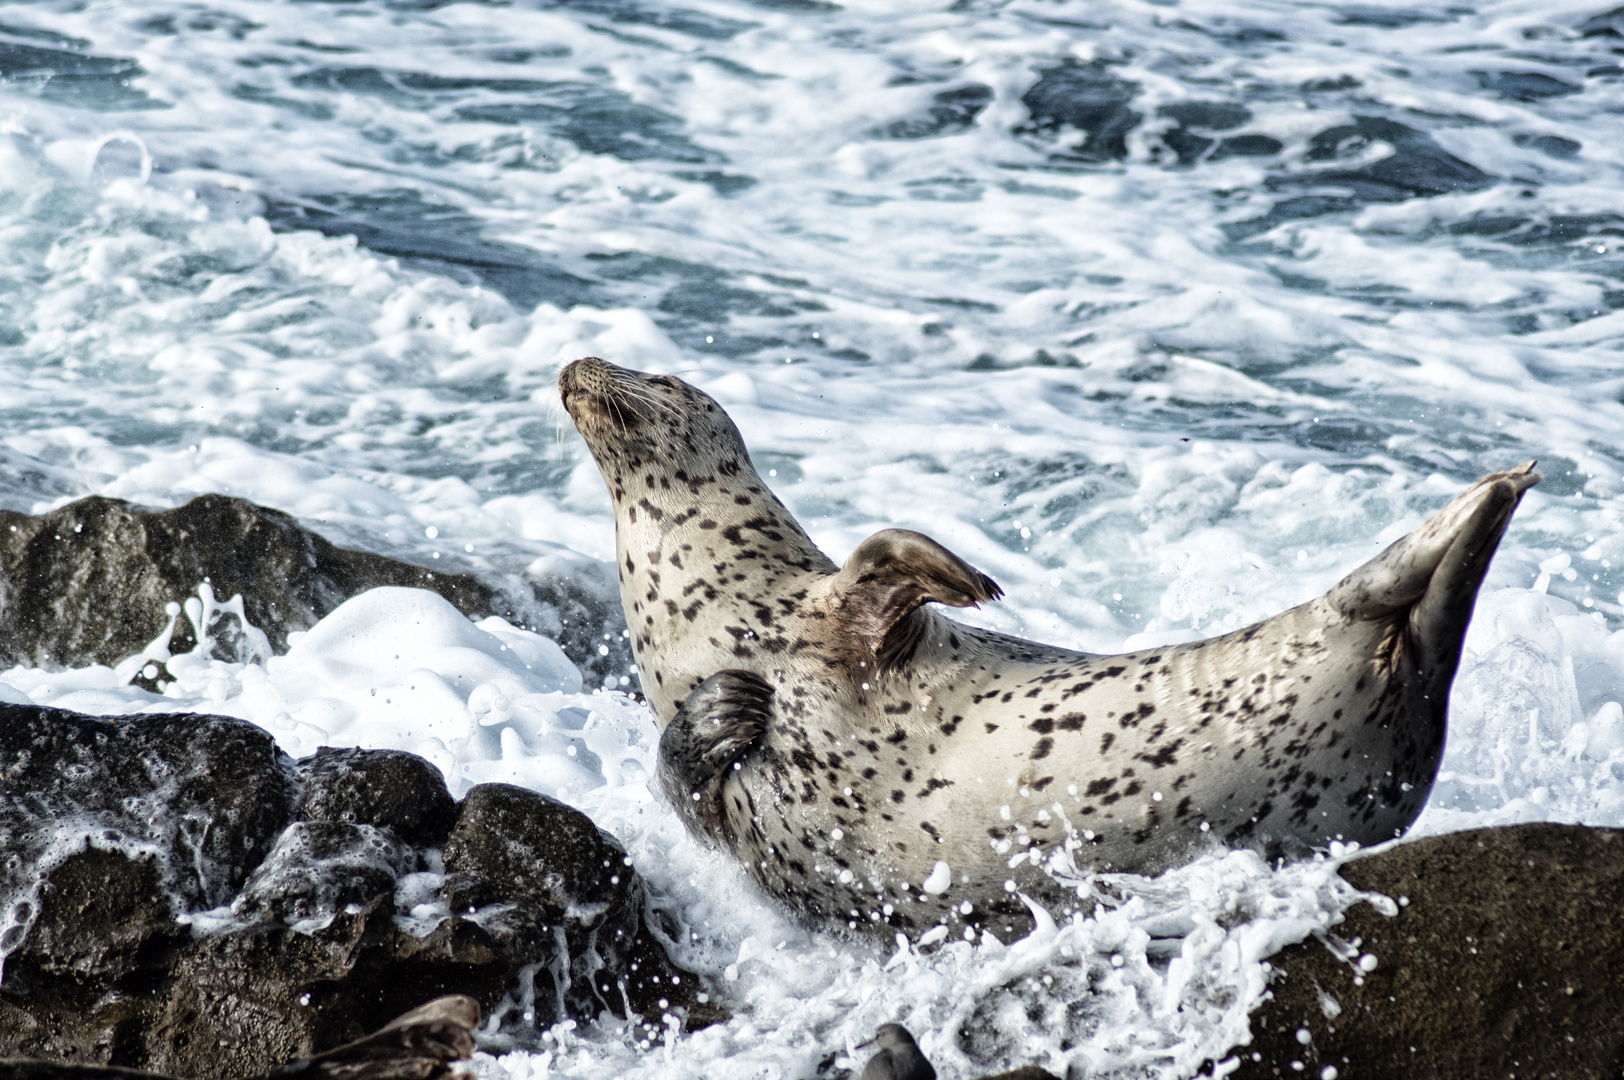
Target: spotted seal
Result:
[880, 766]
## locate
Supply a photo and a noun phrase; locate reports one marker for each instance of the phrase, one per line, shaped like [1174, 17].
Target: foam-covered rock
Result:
[88, 583]
[1496, 952]
[181, 896]
[565, 872]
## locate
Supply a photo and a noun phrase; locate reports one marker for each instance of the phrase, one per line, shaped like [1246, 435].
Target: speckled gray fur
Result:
[845, 738]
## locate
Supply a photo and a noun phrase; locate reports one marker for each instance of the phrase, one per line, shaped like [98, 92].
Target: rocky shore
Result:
[179, 896]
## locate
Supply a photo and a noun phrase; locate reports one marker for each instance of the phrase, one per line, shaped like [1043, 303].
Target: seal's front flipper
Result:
[717, 725]
[891, 575]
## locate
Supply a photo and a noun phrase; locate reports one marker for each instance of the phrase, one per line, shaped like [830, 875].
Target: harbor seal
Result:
[881, 767]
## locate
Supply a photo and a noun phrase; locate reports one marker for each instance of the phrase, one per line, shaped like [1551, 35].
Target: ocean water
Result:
[1166, 315]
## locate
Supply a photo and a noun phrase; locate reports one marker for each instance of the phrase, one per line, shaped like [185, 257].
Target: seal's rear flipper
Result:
[892, 574]
[1443, 559]
[1434, 573]
[717, 725]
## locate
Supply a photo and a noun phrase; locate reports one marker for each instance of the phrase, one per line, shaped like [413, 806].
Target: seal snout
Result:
[604, 398]
[589, 381]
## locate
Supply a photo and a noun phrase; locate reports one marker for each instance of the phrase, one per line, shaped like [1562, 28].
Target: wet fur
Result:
[800, 699]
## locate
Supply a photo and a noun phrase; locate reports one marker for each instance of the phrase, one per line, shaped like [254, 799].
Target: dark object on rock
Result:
[899, 1057]
[1506, 957]
[421, 1045]
[87, 583]
[172, 901]
[1090, 98]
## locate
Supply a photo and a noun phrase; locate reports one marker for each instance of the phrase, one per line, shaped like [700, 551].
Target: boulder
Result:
[179, 896]
[87, 583]
[423, 1044]
[1502, 954]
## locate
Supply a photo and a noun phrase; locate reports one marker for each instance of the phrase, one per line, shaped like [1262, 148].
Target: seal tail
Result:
[1434, 573]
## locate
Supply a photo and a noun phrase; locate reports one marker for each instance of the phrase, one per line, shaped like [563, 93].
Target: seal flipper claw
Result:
[891, 575]
[719, 723]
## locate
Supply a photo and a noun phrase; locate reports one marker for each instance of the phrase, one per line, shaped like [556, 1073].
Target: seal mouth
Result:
[602, 396]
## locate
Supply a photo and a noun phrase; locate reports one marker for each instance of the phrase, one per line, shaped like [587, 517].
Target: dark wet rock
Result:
[1505, 958]
[570, 879]
[950, 112]
[205, 795]
[1025, 1072]
[423, 1044]
[87, 583]
[174, 901]
[1088, 97]
[1247, 146]
[319, 868]
[1524, 85]
[101, 916]
[387, 788]
[1550, 145]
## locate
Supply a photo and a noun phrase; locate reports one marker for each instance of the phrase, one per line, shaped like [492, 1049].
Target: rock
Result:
[389, 788]
[319, 868]
[1025, 1072]
[1505, 957]
[87, 583]
[421, 1045]
[571, 875]
[179, 896]
[205, 796]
